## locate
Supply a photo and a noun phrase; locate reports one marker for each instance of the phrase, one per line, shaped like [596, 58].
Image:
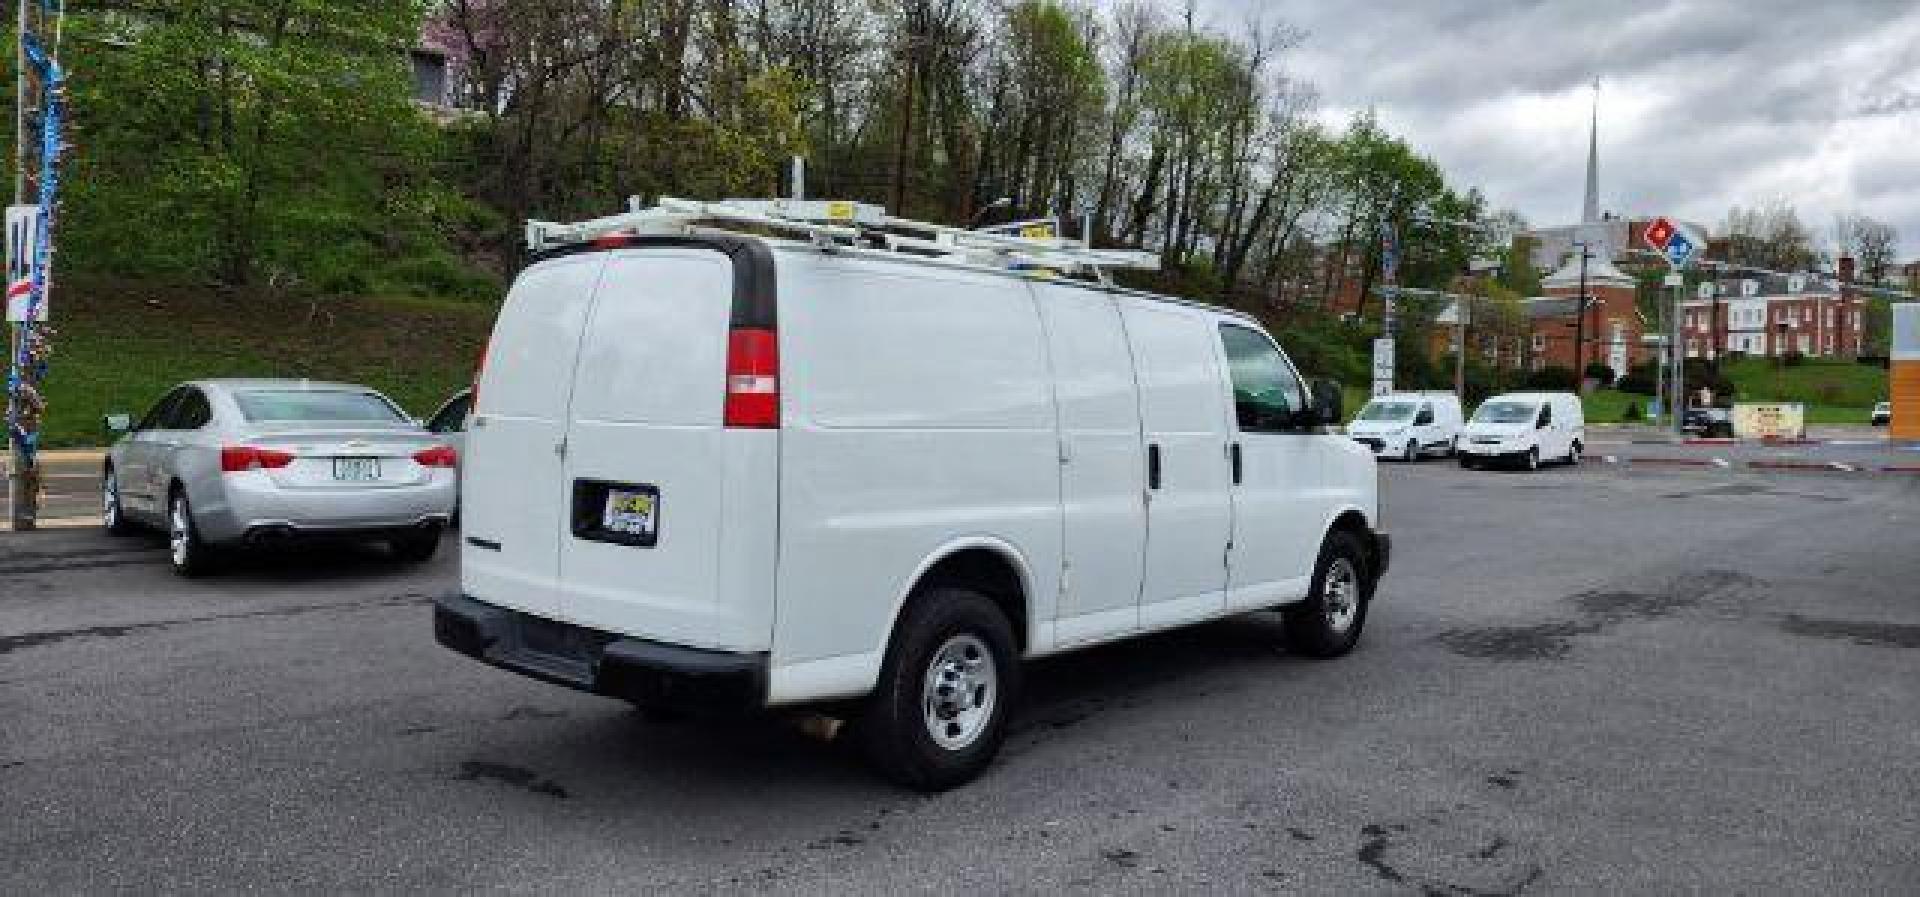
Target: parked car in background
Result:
[1708, 421]
[1527, 428]
[1409, 425]
[1882, 414]
[219, 464]
[450, 422]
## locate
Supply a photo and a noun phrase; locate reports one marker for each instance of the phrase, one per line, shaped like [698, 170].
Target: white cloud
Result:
[1706, 104]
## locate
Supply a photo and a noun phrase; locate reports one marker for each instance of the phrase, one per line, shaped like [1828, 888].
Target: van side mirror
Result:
[1324, 408]
[117, 424]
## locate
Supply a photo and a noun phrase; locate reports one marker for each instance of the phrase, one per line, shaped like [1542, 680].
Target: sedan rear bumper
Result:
[255, 508]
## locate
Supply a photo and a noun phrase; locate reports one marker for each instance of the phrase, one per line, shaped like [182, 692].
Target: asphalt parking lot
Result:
[1604, 679]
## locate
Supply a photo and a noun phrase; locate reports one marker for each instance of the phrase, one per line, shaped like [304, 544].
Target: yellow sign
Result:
[1037, 232]
[840, 211]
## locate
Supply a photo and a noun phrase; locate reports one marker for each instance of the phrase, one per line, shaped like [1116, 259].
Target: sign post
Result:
[1390, 293]
[1679, 249]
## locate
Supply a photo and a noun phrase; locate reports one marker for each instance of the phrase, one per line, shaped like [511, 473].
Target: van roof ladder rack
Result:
[837, 225]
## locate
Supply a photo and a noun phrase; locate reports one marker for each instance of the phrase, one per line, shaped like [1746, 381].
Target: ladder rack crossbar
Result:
[831, 225]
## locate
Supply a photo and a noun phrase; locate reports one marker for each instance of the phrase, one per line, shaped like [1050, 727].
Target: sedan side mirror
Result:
[117, 424]
[1325, 410]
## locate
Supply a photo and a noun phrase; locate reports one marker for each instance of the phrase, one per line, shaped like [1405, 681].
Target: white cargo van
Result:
[714, 469]
[1525, 428]
[1409, 425]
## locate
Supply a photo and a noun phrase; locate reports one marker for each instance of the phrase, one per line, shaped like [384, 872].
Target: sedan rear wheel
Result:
[186, 551]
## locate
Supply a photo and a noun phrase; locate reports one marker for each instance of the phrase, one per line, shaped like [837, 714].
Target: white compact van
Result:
[1525, 428]
[709, 469]
[1409, 425]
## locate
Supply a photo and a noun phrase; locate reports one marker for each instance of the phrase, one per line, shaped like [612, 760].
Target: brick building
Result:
[1774, 314]
[1614, 333]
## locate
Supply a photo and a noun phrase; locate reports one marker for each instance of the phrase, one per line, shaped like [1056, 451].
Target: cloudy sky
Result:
[1704, 103]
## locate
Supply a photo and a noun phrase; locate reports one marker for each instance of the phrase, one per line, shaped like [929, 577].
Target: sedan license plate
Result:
[631, 512]
[356, 470]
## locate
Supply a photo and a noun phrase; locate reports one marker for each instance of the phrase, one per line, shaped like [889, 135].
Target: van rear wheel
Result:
[939, 714]
[1328, 623]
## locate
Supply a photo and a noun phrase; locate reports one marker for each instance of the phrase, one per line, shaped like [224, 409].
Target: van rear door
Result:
[648, 455]
[512, 507]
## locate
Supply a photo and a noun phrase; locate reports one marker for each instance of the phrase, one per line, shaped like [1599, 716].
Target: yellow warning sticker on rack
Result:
[840, 211]
[1037, 232]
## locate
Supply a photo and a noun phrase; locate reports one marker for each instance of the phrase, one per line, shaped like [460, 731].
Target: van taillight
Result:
[236, 458]
[480, 367]
[753, 378]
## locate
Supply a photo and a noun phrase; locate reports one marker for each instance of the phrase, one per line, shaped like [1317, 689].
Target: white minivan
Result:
[1409, 425]
[1525, 428]
[710, 469]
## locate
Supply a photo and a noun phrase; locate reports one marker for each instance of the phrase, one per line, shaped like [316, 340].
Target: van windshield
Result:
[1505, 413]
[1386, 411]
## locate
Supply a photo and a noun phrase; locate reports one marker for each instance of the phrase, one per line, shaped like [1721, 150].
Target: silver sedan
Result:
[225, 463]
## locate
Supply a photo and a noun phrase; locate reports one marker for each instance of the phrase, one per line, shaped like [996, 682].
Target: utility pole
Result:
[1580, 323]
[1461, 307]
[21, 500]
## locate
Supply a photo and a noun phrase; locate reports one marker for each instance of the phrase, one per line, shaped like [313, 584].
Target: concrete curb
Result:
[6, 526]
[1801, 465]
[1678, 462]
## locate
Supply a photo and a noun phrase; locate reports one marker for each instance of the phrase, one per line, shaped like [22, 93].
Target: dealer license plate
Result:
[631, 513]
[356, 470]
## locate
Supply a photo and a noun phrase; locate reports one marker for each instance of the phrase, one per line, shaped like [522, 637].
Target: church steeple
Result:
[1590, 214]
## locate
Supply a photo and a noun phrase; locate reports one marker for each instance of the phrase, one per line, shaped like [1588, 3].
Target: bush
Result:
[1601, 372]
[1642, 379]
[1553, 378]
[1795, 359]
[1632, 413]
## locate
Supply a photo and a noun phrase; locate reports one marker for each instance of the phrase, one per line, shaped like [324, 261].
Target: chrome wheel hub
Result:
[961, 688]
[1340, 595]
[178, 528]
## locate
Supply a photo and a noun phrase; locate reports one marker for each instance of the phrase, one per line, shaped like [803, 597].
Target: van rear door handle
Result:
[1234, 452]
[1153, 466]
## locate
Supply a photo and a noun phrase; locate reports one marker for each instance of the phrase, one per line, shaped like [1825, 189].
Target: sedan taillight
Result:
[438, 456]
[236, 458]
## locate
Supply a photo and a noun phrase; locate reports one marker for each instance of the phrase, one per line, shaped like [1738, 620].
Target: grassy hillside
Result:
[1823, 384]
[120, 346]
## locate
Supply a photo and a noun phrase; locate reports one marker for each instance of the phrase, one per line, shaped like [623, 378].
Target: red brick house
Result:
[1775, 314]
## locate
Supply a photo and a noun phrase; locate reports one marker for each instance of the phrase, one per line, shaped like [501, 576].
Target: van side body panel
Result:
[917, 413]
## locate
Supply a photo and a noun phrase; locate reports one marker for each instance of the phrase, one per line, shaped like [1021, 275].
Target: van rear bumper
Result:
[652, 674]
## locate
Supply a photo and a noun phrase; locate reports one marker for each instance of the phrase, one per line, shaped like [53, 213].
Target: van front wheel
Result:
[938, 715]
[1328, 623]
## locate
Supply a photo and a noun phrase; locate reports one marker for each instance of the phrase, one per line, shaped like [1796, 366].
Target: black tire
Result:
[894, 728]
[112, 516]
[1573, 454]
[1468, 463]
[415, 547]
[1410, 454]
[1531, 461]
[187, 553]
[1329, 622]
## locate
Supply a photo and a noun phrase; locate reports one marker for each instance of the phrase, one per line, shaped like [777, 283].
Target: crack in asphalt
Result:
[1859, 632]
[11, 643]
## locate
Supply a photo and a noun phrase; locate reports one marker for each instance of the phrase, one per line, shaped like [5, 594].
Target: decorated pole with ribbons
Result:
[27, 372]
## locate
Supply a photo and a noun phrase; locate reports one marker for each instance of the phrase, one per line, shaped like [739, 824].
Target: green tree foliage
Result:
[249, 141]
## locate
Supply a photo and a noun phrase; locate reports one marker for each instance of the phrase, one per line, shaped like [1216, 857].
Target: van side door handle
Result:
[1153, 466]
[1233, 453]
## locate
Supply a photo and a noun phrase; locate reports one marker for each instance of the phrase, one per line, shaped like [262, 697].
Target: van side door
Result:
[1184, 422]
[1103, 520]
[1277, 474]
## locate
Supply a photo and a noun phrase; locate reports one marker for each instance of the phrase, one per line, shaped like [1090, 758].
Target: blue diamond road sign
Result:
[1679, 250]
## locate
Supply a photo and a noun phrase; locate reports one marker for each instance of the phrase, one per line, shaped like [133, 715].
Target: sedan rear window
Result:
[265, 405]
